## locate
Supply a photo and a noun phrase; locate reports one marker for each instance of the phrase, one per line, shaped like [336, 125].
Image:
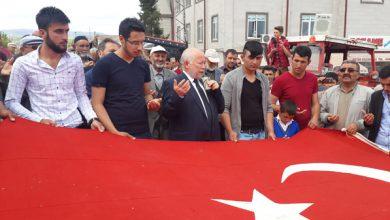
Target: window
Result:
[199, 31]
[197, 1]
[188, 32]
[214, 28]
[307, 24]
[256, 25]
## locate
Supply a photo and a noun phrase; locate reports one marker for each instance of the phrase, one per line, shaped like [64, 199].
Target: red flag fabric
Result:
[60, 173]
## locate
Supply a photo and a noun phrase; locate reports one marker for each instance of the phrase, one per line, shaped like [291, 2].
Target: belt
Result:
[252, 131]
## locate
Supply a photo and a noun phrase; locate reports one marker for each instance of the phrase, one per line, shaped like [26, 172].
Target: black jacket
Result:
[376, 106]
[187, 120]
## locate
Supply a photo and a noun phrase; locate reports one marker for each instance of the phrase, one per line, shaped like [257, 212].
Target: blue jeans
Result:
[247, 137]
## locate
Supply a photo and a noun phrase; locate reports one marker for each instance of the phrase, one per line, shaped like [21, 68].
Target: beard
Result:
[54, 46]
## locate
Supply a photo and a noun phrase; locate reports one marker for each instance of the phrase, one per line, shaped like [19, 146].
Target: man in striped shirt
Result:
[54, 79]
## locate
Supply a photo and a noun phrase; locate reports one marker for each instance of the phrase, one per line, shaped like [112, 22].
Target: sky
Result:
[101, 16]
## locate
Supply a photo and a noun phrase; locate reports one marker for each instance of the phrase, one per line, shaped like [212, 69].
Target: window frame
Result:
[216, 31]
[201, 31]
[301, 23]
[247, 24]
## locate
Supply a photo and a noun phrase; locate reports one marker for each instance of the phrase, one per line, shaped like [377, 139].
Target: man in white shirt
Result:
[54, 79]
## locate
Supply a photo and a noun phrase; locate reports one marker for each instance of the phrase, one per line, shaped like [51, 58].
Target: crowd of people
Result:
[117, 87]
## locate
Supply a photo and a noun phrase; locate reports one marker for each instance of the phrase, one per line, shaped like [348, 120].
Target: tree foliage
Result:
[4, 39]
[150, 16]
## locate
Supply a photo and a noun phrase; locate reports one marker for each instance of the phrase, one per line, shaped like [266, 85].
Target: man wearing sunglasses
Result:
[345, 105]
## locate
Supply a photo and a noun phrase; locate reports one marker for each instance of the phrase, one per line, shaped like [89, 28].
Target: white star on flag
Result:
[265, 208]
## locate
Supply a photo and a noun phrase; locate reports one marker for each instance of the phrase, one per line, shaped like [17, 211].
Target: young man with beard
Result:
[54, 79]
[121, 94]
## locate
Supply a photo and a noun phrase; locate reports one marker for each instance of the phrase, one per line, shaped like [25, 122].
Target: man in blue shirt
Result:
[121, 93]
[379, 125]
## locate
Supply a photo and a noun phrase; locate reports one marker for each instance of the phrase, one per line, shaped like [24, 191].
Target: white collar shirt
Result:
[54, 94]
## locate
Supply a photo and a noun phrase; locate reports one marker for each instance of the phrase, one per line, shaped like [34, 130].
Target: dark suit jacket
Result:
[187, 120]
[376, 106]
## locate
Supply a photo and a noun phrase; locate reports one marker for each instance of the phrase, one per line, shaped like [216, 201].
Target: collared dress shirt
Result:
[55, 94]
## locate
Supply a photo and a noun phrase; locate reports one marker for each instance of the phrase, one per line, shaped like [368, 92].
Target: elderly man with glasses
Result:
[346, 105]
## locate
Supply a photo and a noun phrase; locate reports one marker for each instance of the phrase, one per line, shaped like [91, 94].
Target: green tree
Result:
[150, 16]
[4, 39]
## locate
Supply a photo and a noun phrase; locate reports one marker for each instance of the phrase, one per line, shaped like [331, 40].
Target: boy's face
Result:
[285, 117]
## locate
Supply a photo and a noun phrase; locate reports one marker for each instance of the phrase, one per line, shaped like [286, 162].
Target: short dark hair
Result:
[102, 45]
[273, 69]
[78, 38]
[384, 73]
[254, 47]
[279, 28]
[302, 51]
[288, 106]
[129, 25]
[49, 15]
[332, 75]
[232, 51]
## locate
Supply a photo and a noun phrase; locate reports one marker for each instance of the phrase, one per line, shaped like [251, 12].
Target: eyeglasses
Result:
[349, 70]
[136, 43]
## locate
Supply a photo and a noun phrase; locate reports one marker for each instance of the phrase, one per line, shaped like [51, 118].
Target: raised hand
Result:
[182, 88]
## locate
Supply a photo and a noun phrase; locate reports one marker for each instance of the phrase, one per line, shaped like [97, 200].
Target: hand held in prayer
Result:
[154, 104]
[333, 118]
[182, 88]
[369, 118]
[213, 84]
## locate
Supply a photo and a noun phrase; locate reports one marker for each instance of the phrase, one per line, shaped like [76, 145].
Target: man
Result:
[212, 71]
[81, 48]
[81, 45]
[248, 113]
[379, 126]
[121, 85]
[278, 50]
[231, 57]
[54, 79]
[28, 44]
[158, 125]
[105, 47]
[299, 86]
[344, 105]
[192, 109]
[270, 73]
[11, 48]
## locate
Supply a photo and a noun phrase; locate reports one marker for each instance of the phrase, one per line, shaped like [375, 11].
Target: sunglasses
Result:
[349, 70]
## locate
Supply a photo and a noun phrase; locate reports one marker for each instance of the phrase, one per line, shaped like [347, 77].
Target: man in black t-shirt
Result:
[121, 85]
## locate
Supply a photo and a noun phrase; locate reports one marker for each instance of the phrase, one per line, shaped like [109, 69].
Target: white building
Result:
[224, 24]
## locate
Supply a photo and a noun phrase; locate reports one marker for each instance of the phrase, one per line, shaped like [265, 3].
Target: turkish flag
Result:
[61, 173]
